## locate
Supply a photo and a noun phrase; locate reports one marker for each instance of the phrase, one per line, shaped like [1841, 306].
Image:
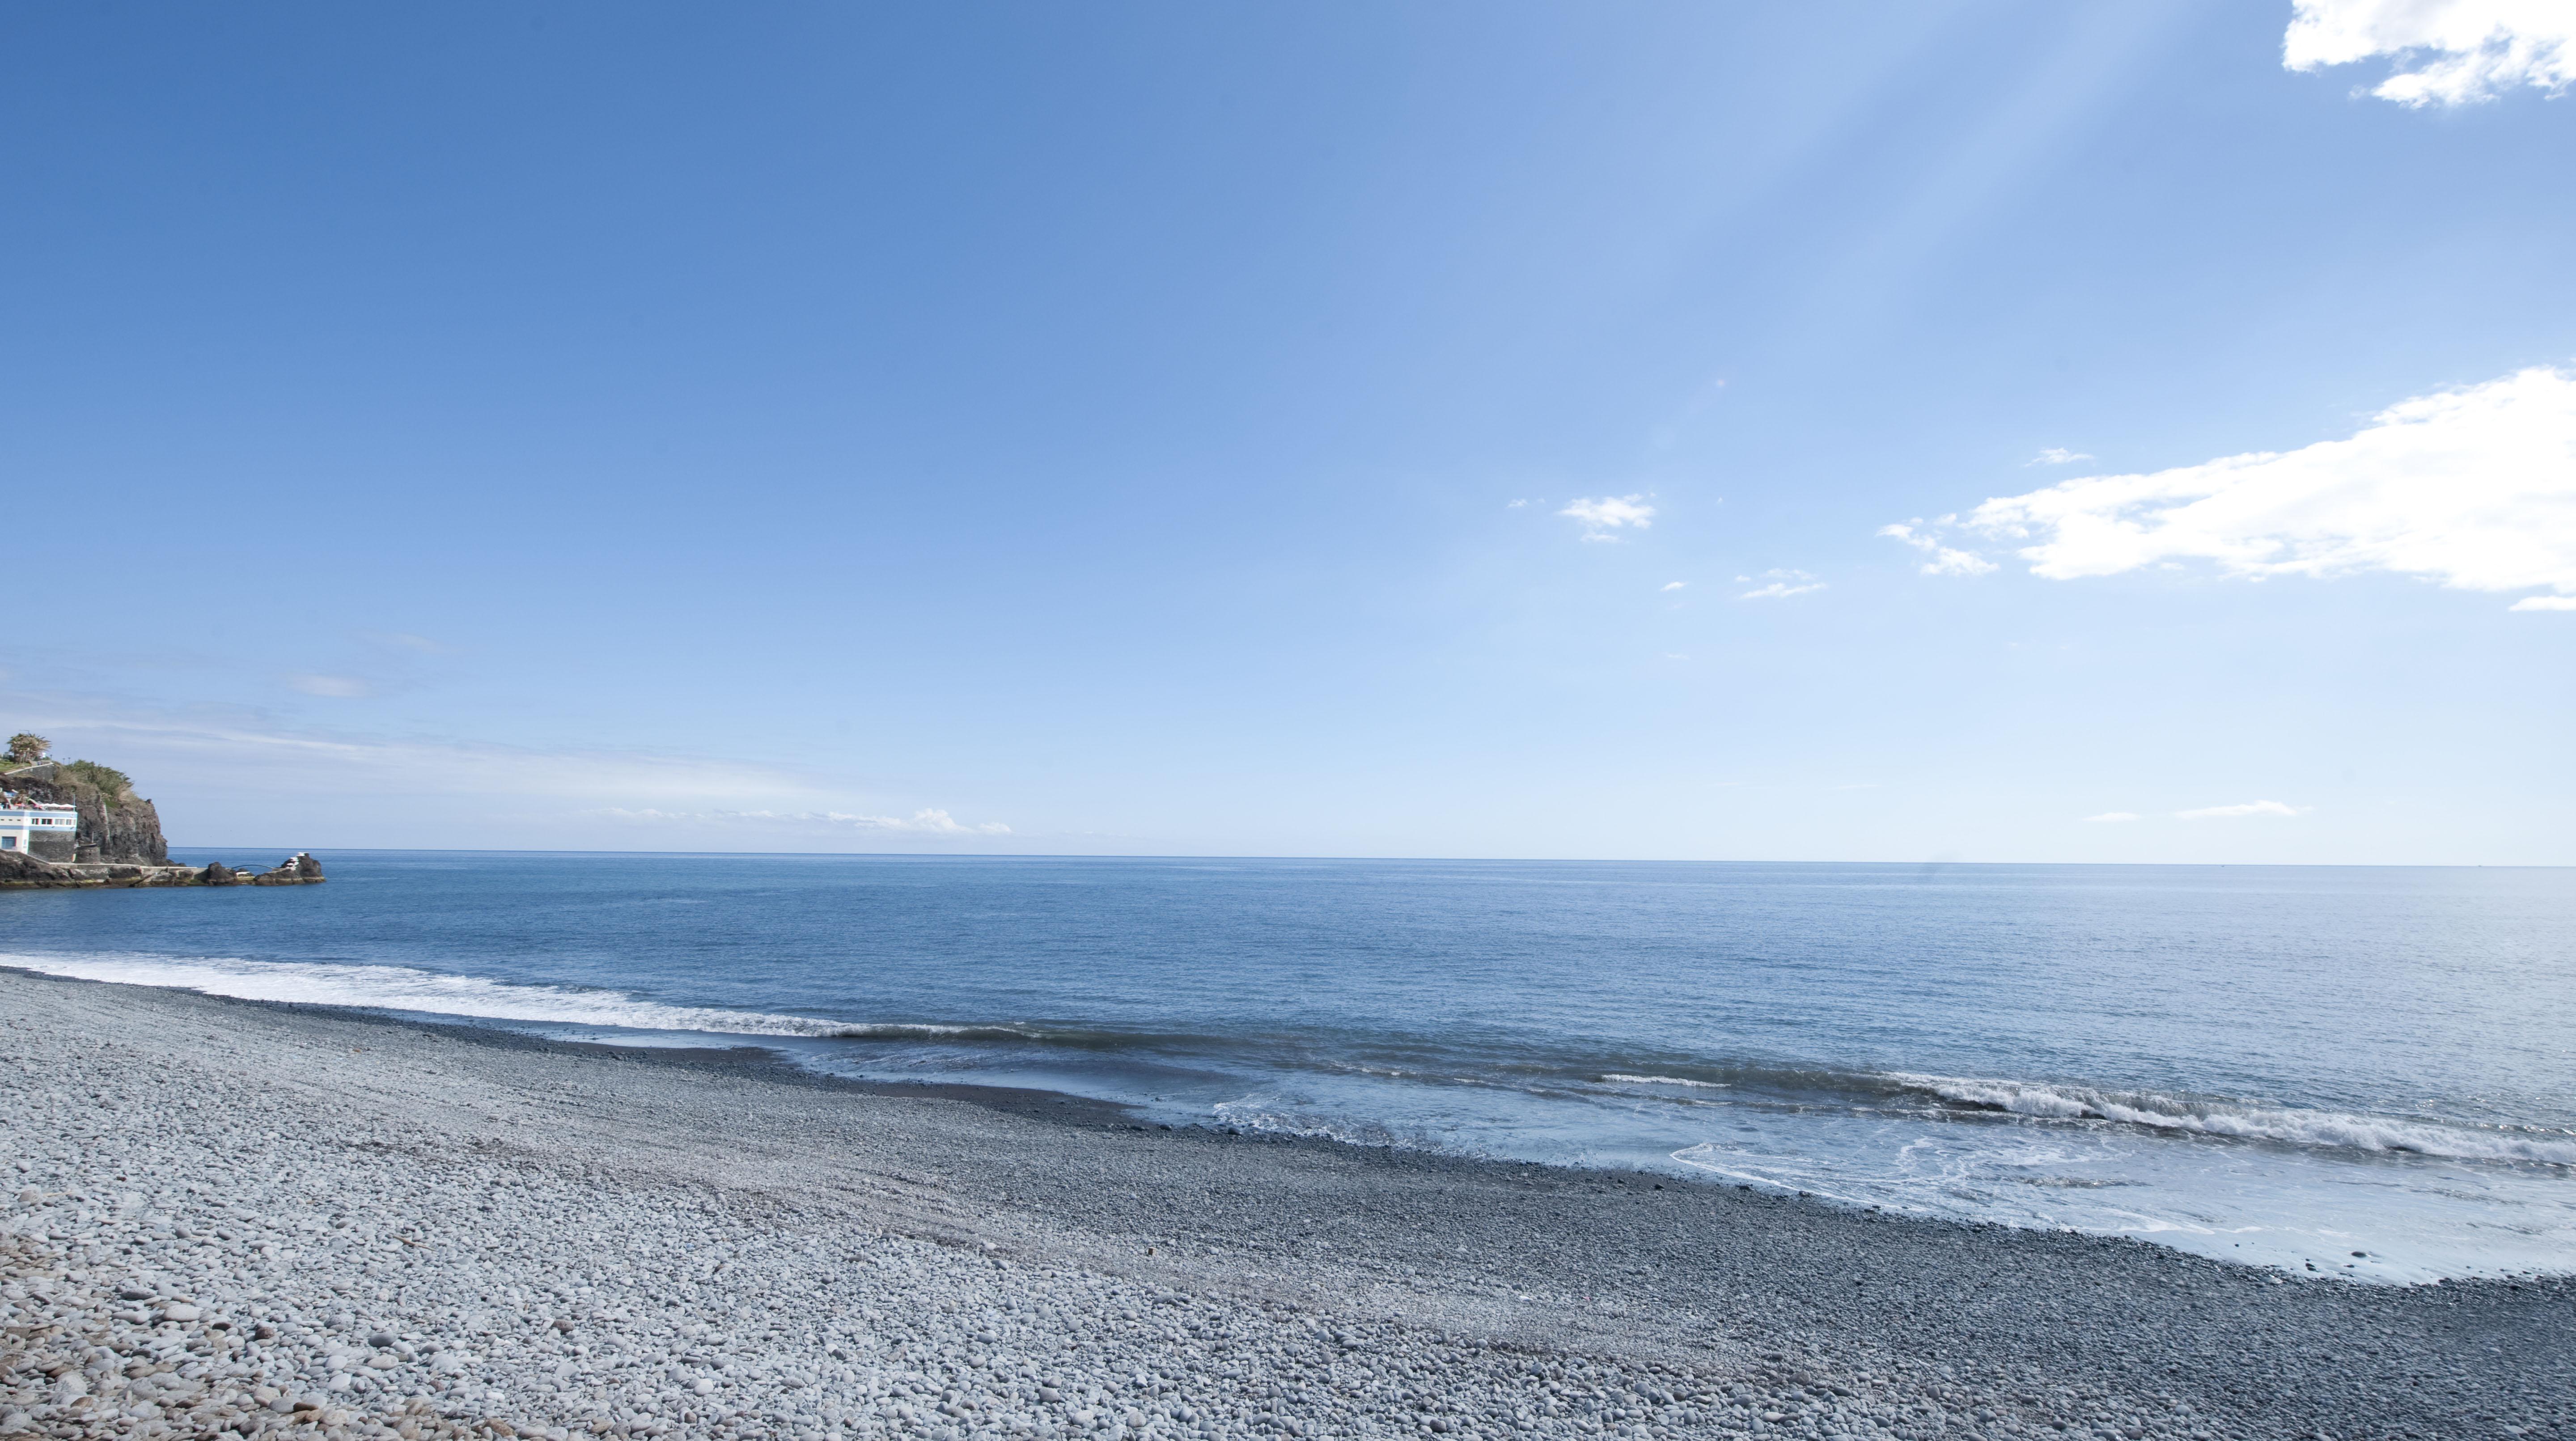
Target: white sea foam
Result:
[402, 988]
[2254, 1123]
[1614, 1078]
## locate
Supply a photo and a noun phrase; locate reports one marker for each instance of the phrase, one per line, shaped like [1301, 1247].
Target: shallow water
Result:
[2367, 1071]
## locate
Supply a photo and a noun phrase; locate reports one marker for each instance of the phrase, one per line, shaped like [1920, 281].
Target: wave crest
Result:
[2334, 1129]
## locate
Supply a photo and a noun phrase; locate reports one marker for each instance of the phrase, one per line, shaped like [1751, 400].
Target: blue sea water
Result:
[2369, 1072]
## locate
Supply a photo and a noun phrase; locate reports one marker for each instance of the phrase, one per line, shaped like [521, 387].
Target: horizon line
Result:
[1423, 860]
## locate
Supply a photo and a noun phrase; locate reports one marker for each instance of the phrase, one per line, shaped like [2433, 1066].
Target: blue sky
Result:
[1392, 429]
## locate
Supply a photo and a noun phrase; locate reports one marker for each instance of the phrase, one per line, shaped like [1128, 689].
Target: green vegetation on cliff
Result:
[113, 785]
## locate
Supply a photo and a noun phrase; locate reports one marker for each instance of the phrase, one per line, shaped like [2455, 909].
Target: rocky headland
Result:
[117, 827]
[119, 842]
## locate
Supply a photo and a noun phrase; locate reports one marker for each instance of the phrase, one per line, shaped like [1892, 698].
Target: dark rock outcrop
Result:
[20, 871]
[298, 869]
[17, 868]
[122, 829]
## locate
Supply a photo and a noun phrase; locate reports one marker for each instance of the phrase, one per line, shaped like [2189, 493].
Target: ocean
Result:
[2366, 1072]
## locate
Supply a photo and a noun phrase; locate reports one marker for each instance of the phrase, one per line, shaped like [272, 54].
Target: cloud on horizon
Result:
[2239, 812]
[931, 822]
[2447, 52]
[2474, 489]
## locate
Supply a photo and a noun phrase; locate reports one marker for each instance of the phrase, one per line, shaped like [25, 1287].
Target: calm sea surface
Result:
[2367, 1071]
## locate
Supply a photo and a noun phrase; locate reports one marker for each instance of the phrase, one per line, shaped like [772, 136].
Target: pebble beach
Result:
[233, 1219]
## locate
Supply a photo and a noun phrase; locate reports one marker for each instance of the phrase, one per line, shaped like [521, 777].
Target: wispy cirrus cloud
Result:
[2240, 812]
[2447, 52]
[228, 775]
[1604, 516]
[2057, 455]
[2473, 488]
[250, 749]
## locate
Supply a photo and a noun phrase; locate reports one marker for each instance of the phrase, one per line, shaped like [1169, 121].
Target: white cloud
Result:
[2057, 455]
[2544, 602]
[339, 687]
[1675, 584]
[2112, 816]
[1944, 560]
[1607, 514]
[2473, 488]
[2229, 813]
[2447, 52]
[1515, 505]
[1784, 583]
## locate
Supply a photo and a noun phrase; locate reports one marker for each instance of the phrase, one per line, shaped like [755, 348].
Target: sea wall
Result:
[19, 871]
[122, 829]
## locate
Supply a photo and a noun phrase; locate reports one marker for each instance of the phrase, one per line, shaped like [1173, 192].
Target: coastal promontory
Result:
[80, 824]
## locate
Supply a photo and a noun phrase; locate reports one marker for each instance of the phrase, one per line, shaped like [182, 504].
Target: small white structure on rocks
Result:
[43, 829]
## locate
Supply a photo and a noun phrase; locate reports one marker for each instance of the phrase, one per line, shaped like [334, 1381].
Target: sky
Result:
[2138, 431]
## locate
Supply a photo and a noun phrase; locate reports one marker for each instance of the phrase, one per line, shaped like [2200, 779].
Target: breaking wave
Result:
[402, 988]
[2331, 1129]
[409, 989]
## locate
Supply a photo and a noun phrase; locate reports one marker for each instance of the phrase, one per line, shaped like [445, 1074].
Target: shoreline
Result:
[1833, 1321]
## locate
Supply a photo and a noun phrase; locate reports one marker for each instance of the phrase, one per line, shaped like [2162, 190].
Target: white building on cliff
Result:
[42, 829]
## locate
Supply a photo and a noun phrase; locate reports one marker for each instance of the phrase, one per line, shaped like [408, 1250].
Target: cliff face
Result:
[121, 830]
